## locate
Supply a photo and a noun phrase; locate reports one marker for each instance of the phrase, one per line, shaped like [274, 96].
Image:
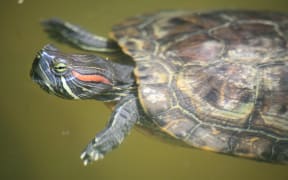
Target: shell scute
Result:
[200, 47]
[210, 138]
[249, 41]
[156, 98]
[252, 146]
[152, 73]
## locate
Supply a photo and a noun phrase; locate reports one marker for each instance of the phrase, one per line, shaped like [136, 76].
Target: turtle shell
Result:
[215, 80]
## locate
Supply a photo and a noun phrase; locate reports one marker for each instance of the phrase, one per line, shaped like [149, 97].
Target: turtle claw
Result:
[88, 156]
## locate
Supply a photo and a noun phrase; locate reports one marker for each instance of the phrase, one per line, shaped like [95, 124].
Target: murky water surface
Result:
[41, 136]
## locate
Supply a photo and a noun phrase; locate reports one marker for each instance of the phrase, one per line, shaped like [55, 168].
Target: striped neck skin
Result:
[74, 76]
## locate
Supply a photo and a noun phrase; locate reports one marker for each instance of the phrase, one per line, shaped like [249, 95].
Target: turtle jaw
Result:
[39, 76]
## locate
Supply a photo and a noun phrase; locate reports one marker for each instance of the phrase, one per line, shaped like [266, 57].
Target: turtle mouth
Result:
[39, 77]
[34, 73]
[35, 76]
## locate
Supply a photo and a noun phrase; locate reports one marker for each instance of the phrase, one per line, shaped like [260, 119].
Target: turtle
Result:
[213, 80]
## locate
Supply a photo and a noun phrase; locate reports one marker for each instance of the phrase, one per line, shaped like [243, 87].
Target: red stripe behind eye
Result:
[91, 78]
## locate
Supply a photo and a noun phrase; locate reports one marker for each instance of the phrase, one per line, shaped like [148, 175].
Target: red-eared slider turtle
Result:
[214, 80]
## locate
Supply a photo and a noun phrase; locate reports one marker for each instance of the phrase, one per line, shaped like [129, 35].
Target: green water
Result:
[41, 136]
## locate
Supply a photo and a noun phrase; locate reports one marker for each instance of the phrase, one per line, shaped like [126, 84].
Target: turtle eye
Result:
[60, 67]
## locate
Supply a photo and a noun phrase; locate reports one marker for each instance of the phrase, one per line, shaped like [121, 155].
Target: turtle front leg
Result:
[122, 120]
[77, 36]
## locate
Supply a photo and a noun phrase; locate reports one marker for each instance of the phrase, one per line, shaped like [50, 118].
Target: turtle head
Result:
[74, 76]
